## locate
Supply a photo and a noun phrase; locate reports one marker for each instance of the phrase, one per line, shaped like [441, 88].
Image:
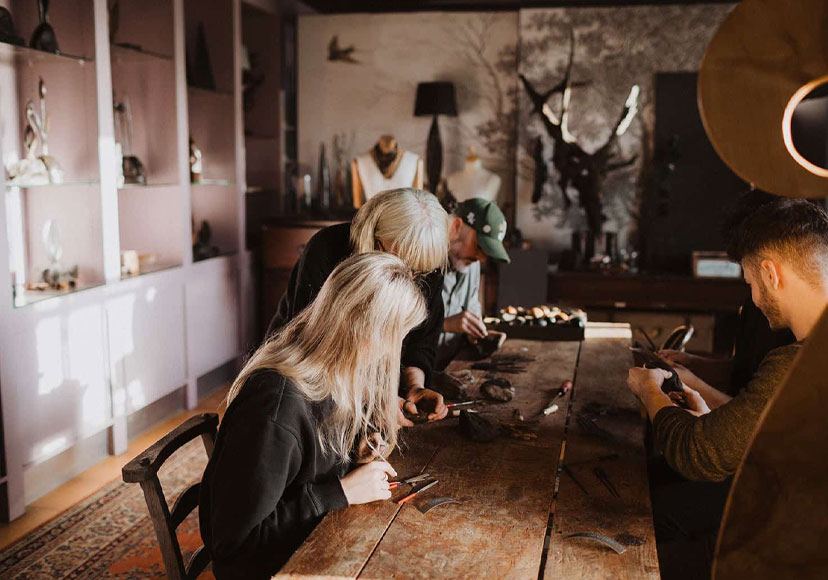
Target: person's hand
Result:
[466, 322]
[402, 420]
[368, 483]
[371, 448]
[643, 382]
[499, 336]
[427, 398]
[694, 401]
[686, 376]
[678, 357]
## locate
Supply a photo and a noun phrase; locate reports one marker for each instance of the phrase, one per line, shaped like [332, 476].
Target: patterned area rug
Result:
[108, 535]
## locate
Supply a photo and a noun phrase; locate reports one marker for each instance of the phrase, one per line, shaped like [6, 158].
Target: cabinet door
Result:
[212, 306]
[56, 365]
[146, 341]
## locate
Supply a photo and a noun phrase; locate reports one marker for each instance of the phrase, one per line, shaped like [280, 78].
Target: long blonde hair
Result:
[346, 346]
[409, 223]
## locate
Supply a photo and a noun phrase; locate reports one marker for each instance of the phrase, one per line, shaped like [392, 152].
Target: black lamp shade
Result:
[435, 98]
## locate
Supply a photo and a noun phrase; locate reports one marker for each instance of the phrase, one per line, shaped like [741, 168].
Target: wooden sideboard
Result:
[282, 243]
[656, 303]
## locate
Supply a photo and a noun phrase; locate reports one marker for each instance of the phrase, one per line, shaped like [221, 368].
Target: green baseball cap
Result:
[488, 221]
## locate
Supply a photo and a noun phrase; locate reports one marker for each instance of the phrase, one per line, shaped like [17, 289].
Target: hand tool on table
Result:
[416, 491]
[604, 478]
[609, 542]
[409, 481]
[564, 389]
[571, 475]
[435, 502]
[463, 404]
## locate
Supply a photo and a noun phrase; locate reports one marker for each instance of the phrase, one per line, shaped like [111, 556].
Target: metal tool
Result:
[609, 542]
[463, 404]
[416, 491]
[604, 478]
[409, 481]
[435, 502]
[571, 475]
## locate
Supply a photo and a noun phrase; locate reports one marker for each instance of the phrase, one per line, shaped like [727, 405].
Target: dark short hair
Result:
[792, 229]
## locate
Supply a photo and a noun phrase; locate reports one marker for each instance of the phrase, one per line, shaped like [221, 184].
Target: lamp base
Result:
[434, 156]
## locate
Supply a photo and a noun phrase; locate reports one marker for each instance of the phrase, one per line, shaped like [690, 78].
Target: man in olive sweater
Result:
[783, 249]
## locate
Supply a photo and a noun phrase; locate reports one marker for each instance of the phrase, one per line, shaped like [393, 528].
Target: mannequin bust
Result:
[385, 166]
[474, 180]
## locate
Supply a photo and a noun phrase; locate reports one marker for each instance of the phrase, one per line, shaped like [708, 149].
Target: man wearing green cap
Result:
[476, 231]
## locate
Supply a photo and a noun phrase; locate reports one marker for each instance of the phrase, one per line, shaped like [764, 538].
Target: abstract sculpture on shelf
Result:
[196, 163]
[7, 31]
[35, 169]
[202, 249]
[43, 37]
[55, 276]
[131, 167]
[584, 171]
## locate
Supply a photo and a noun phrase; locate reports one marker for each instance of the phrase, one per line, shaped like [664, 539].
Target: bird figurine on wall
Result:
[340, 54]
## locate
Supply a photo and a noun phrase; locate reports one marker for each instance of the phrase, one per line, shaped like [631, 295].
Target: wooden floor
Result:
[90, 481]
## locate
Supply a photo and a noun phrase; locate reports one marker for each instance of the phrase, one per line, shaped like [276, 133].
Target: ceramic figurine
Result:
[131, 167]
[7, 31]
[56, 275]
[55, 171]
[30, 170]
[196, 165]
[43, 37]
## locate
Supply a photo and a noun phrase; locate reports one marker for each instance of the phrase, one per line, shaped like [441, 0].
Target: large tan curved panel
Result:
[764, 51]
[776, 520]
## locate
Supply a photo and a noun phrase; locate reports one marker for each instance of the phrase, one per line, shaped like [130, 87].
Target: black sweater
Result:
[268, 482]
[322, 254]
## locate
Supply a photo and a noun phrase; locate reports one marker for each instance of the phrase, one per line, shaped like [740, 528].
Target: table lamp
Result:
[435, 98]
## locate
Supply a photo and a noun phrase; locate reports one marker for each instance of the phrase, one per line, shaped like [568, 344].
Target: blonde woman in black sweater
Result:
[284, 452]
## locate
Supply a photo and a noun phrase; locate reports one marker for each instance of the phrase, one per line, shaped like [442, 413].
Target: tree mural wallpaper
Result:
[615, 48]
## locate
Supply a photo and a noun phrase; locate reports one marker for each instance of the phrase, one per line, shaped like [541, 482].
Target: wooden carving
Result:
[585, 172]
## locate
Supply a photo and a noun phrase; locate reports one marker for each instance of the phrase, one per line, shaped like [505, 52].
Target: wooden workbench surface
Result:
[517, 503]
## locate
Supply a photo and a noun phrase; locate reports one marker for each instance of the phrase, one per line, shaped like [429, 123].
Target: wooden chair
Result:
[144, 470]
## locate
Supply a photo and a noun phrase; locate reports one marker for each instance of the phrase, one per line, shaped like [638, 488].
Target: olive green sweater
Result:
[710, 447]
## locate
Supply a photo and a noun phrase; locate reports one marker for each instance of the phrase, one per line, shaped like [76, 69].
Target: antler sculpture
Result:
[584, 171]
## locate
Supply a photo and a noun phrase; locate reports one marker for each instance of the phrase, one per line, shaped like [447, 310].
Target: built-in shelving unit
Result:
[78, 362]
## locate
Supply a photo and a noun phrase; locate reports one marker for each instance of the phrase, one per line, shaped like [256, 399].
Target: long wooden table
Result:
[519, 499]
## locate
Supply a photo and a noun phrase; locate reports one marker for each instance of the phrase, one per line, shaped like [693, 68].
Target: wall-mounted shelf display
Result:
[144, 108]
[30, 56]
[211, 102]
[50, 156]
[104, 310]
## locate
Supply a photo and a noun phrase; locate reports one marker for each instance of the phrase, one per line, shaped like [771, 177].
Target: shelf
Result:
[146, 185]
[213, 182]
[8, 51]
[216, 92]
[46, 185]
[150, 270]
[133, 53]
[28, 297]
[227, 254]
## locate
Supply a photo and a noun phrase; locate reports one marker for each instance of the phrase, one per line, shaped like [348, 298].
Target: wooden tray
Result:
[552, 332]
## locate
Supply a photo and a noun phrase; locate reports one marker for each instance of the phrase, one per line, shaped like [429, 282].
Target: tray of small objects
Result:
[540, 323]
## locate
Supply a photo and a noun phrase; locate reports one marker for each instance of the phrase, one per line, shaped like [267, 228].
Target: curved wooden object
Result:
[761, 55]
[775, 518]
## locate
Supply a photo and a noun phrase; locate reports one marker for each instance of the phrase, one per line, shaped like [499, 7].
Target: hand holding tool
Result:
[409, 481]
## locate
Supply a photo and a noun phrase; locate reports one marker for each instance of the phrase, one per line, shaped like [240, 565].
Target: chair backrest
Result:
[144, 468]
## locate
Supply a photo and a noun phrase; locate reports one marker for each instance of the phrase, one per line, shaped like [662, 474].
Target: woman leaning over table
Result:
[285, 448]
